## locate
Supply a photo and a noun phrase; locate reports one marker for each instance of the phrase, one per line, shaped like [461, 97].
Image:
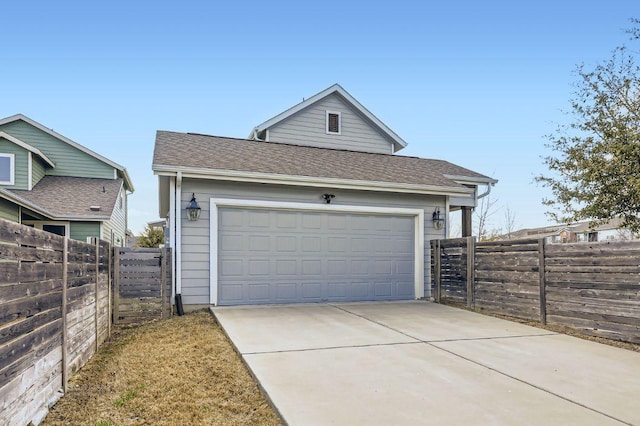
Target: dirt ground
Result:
[179, 371]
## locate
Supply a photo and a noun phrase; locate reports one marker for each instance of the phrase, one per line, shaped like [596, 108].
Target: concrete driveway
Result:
[423, 363]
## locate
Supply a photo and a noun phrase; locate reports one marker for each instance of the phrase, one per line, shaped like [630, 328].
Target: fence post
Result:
[96, 244]
[65, 271]
[109, 292]
[471, 269]
[437, 269]
[163, 280]
[543, 281]
[116, 283]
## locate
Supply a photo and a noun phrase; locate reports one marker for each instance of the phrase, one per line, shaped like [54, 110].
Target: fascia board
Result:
[472, 179]
[237, 176]
[28, 147]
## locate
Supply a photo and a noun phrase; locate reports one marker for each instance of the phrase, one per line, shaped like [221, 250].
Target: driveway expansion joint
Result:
[328, 348]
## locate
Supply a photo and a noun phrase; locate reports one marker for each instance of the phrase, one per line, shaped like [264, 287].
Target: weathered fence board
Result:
[49, 316]
[594, 287]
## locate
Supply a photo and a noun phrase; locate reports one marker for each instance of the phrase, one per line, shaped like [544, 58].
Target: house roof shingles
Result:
[72, 197]
[195, 151]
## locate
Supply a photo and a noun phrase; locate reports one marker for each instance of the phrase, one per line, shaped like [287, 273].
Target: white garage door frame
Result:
[217, 203]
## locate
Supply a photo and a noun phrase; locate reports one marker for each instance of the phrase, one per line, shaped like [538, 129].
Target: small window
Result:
[55, 229]
[7, 166]
[333, 123]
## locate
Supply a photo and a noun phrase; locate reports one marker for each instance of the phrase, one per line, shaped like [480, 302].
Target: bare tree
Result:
[509, 222]
[484, 211]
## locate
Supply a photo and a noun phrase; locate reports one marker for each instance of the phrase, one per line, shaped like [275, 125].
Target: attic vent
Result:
[94, 208]
[333, 123]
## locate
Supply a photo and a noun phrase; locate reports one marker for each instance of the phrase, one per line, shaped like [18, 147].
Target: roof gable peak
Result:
[348, 99]
[51, 132]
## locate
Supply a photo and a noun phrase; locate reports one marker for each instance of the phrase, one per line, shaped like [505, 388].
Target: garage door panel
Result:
[232, 268]
[336, 267]
[259, 219]
[286, 267]
[230, 243]
[311, 244]
[359, 290]
[259, 267]
[337, 244]
[383, 289]
[286, 291]
[284, 257]
[405, 288]
[258, 292]
[337, 290]
[312, 267]
[312, 290]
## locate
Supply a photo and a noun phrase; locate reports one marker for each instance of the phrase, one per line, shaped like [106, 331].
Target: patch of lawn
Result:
[179, 371]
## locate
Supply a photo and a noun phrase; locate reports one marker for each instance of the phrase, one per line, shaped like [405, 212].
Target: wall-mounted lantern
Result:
[438, 219]
[193, 209]
[328, 197]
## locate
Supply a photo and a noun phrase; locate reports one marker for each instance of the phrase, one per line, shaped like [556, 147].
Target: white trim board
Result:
[216, 203]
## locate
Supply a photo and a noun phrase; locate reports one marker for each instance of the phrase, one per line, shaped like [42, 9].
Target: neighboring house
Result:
[53, 183]
[576, 232]
[314, 206]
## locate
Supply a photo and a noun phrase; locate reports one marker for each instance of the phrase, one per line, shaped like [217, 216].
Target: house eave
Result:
[309, 181]
[472, 179]
[28, 147]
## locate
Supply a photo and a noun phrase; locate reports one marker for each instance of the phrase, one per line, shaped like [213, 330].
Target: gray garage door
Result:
[275, 256]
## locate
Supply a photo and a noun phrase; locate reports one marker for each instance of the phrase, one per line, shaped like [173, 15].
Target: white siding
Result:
[308, 127]
[195, 235]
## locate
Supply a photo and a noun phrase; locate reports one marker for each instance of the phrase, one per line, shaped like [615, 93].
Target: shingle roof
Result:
[72, 197]
[193, 151]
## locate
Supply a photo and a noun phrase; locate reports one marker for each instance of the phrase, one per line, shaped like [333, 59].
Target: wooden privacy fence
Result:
[594, 287]
[142, 284]
[54, 314]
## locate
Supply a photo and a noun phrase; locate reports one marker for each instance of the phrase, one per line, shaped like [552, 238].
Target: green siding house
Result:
[53, 183]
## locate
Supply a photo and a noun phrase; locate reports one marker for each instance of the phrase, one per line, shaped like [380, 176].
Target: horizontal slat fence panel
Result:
[453, 267]
[142, 284]
[594, 287]
[38, 327]
[507, 279]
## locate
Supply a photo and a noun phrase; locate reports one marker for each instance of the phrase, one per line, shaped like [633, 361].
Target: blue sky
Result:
[475, 83]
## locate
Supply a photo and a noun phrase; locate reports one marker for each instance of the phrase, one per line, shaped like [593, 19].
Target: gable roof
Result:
[398, 142]
[223, 158]
[121, 169]
[26, 146]
[79, 195]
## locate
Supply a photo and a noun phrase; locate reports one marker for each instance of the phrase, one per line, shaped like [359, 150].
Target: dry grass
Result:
[180, 371]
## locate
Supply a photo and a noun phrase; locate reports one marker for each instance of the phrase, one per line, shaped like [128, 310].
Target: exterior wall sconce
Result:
[328, 197]
[438, 219]
[193, 209]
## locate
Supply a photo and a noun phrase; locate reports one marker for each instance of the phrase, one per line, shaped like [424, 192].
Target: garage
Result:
[271, 256]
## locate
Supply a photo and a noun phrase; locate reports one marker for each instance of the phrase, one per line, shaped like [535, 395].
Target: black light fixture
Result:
[328, 197]
[193, 209]
[438, 219]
